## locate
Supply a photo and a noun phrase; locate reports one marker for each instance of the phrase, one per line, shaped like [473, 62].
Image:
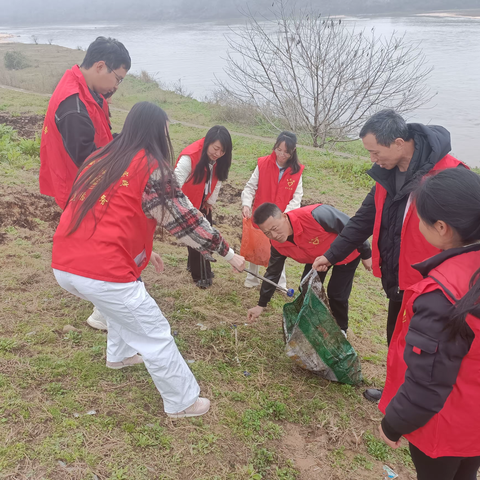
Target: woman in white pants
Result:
[104, 241]
[276, 179]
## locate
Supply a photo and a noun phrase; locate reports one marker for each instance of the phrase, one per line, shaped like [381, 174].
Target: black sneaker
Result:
[373, 394]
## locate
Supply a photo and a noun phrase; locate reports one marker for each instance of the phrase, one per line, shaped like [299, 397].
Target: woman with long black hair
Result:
[432, 389]
[104, 241]
[276, 179]
[200, 170]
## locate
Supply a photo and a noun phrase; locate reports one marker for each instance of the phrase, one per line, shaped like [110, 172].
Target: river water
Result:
[195, 54]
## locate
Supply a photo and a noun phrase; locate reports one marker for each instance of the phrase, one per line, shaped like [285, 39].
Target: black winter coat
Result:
[432, 143]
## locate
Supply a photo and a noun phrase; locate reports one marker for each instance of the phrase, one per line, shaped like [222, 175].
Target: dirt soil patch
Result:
[28, 210]
[27, 126]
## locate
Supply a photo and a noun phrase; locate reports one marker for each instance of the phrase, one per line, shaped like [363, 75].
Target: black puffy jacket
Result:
[432, 143]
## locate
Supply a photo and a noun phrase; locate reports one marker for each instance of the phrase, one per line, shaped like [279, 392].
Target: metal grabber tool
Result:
[289, 291]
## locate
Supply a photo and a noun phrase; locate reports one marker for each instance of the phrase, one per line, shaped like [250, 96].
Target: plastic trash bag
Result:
[255, 245]
[389, 473]
[314, 340]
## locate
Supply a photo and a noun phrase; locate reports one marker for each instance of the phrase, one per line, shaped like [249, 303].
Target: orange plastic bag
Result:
[255, 245]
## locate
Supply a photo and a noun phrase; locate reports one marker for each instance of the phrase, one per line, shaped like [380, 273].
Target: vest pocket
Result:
[419, 354]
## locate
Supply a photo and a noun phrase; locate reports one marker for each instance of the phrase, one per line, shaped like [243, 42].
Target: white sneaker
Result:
[200, 407]
[126, 362]
[249, 284]
[344, 333]
[96, 320]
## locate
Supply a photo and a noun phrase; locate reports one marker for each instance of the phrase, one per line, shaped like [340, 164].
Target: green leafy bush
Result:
[16, 152]
[15, 61]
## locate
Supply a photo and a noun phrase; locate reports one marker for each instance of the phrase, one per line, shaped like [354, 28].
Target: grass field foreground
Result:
[64, 415]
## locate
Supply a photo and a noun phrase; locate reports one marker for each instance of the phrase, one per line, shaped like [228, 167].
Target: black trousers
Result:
[195, 258]
[444, 468]
[393, 311]
[339, 289]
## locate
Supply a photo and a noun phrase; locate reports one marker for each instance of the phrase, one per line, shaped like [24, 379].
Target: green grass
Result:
[267, 415]
[18, 152]
[352, 171]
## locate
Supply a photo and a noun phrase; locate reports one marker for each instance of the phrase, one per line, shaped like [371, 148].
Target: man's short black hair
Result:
[109, 50]
[265, 211]
[387, 126]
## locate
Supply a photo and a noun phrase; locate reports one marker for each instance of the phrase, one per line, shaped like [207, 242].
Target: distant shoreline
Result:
[474, 14]
[5, 36]
[451, 13]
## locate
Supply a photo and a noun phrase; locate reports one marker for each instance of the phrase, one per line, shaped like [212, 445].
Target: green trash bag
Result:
[314, 340]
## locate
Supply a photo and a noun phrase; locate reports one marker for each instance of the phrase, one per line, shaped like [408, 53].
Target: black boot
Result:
[204, 283]
[373, 394]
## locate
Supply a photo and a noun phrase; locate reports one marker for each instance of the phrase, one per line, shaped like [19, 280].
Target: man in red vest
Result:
[303, 234]
[77, 122]
[402, 154]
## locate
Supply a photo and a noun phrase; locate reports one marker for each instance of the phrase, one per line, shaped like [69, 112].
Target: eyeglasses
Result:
[281, 153]
[118, 77]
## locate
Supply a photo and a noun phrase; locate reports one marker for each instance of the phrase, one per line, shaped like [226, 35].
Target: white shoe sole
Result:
[122, 366]
[117, 368]
[186, 415]
[96, 324]
[251, 285]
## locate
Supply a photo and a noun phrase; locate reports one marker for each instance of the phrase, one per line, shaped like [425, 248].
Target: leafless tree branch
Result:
[317, 75]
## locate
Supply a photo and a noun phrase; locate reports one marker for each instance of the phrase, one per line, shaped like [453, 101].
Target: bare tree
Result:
[34, 39]
[319, 76]
[180, 89]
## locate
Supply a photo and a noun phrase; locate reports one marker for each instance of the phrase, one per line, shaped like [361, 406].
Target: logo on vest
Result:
[314, 241]
[45, 130]
[290, 182]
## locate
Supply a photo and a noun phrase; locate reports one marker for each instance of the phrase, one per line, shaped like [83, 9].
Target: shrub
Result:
[30, 147]
[146, 77]
[17, 152]
[15, 61]
[232, 111]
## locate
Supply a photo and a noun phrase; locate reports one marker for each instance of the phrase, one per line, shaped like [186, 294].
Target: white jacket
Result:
[183, 171]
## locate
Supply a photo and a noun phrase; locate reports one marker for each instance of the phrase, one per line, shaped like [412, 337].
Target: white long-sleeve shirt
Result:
[251, 187]
[183, 171]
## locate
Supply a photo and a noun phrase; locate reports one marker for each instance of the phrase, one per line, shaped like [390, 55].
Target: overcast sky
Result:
[61, 11]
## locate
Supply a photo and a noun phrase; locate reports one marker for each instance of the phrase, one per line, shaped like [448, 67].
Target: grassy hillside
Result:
[64, 415]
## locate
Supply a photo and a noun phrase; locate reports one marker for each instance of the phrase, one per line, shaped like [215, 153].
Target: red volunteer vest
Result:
[413, 246]
[311, 240]
[269, 188]
[57, 169]
[121, 245]
[455, 430]
[195, 192]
